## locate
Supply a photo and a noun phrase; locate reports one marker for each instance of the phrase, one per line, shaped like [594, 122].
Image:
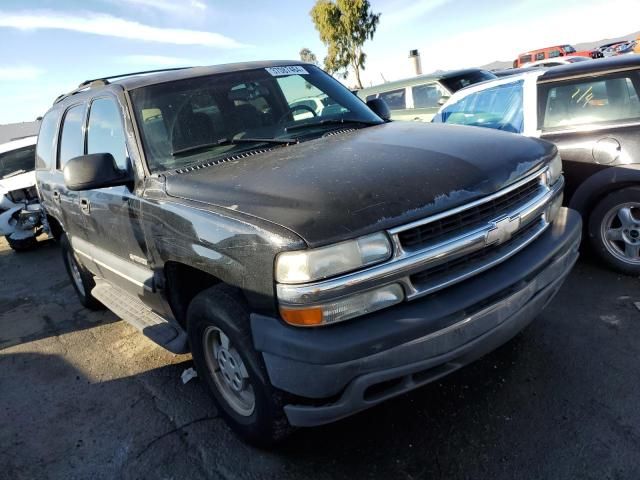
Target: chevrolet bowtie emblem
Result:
[502, 230]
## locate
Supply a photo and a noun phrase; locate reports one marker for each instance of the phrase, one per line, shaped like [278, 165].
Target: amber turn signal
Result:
[302, 317]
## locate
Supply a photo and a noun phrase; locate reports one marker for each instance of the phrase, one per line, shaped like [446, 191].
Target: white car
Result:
[554, 62]
[21, 217]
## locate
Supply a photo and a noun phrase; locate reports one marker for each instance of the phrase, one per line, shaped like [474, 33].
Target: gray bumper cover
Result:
[355, 364]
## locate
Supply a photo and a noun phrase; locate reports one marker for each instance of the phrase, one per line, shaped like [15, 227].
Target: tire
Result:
[22, 245]
[81, 279]
[235, 374]
[614, 230]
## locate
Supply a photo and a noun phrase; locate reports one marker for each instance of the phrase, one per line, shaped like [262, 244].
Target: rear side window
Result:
[46, 141]
[499, 107]
[427, 96]
[105, 133]
[395, 99]
[71, 139]
[592, 101]
[17, 161]
[525, 59]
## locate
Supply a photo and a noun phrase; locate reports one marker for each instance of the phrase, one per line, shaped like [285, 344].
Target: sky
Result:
[47, 47]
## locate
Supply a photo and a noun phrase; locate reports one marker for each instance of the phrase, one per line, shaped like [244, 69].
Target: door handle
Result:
[85, 206]
[56, 196]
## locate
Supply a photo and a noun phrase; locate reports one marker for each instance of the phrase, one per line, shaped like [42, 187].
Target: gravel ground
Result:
[83, 395]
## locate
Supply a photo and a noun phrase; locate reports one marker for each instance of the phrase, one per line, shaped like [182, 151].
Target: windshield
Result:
[202, 118]
[18, 161]
[498, 107]
[460, 81]
[568, 49]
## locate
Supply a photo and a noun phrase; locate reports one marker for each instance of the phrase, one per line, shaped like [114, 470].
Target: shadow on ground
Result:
[37, 299]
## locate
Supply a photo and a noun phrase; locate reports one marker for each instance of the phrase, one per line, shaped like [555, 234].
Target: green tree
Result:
[344, 26]
[308, 56]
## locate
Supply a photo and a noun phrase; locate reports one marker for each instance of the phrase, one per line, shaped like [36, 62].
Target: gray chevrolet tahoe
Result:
[314, 261]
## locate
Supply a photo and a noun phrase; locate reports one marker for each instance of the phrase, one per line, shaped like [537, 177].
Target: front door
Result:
[115, 238]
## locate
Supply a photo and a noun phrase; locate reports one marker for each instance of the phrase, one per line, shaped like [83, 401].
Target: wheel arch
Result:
[183, 283]
[597, 186]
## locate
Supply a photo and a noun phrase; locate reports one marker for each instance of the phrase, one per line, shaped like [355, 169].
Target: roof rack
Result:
[99, 82]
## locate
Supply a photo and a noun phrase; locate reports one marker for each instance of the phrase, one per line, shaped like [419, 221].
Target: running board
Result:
[133, 311]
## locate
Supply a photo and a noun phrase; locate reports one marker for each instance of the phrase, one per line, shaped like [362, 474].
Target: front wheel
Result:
[81, 279]
[223, 353]
[23, 244]
[614, 230]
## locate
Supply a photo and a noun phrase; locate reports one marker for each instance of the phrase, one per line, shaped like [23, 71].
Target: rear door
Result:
[594, 121]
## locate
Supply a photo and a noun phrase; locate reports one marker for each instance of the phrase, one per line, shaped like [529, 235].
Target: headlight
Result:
[315, 264]
[554, 208]
[28, 219]
[344, 308]
[555, 170]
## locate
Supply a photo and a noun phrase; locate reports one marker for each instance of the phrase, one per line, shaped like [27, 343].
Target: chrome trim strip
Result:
[467, 206]
[462, 275]
[400, 268]
[587, 128]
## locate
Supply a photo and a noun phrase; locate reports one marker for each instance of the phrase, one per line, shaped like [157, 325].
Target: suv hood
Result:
[17, 182]
[349, 184]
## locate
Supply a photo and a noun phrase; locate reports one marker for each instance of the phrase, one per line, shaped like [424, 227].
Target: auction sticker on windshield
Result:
[288, 70]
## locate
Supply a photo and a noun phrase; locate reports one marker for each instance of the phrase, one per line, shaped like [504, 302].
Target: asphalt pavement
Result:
[83, 395]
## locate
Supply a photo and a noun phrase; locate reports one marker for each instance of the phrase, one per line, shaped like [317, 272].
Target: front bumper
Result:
[367, 360]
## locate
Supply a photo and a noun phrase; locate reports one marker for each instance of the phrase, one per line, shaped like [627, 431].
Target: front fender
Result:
[602, 183]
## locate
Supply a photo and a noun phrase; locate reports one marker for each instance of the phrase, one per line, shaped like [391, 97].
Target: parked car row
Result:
[591, 112]
[420, 97]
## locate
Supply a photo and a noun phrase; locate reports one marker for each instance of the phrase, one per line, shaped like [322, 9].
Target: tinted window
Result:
[540, 56]
[105, 134]
[499, 107]
[215, 116]
[46, 141]
[71, 139]
[17, 161]
[427, 96]
[594, 101]
[395, 99]
[525, 59]
[456, 83]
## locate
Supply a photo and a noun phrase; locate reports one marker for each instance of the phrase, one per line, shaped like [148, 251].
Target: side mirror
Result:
[442, 100]
[380, 108]
[97, 170]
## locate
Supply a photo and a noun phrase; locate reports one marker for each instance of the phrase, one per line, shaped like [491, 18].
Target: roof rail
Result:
[98, 82]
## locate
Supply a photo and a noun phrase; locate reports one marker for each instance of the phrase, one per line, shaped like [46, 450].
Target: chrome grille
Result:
[496, 207]
[519, 217]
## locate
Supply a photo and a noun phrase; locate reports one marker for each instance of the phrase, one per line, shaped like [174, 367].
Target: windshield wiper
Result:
[329, 121]
[233, 141]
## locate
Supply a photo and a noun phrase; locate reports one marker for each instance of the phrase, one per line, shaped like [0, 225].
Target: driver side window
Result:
[105, 132]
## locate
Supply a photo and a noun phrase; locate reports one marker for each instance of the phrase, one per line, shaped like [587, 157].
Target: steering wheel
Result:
[297, 107]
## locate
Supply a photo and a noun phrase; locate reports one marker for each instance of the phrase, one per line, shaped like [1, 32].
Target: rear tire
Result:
[614, 230]
[22, 245]
[221, 345]
[81, 279]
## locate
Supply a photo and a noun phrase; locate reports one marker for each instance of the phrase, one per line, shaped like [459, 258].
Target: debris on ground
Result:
[188, 375]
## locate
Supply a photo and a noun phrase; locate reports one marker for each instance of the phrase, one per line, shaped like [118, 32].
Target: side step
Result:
[133, 311]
